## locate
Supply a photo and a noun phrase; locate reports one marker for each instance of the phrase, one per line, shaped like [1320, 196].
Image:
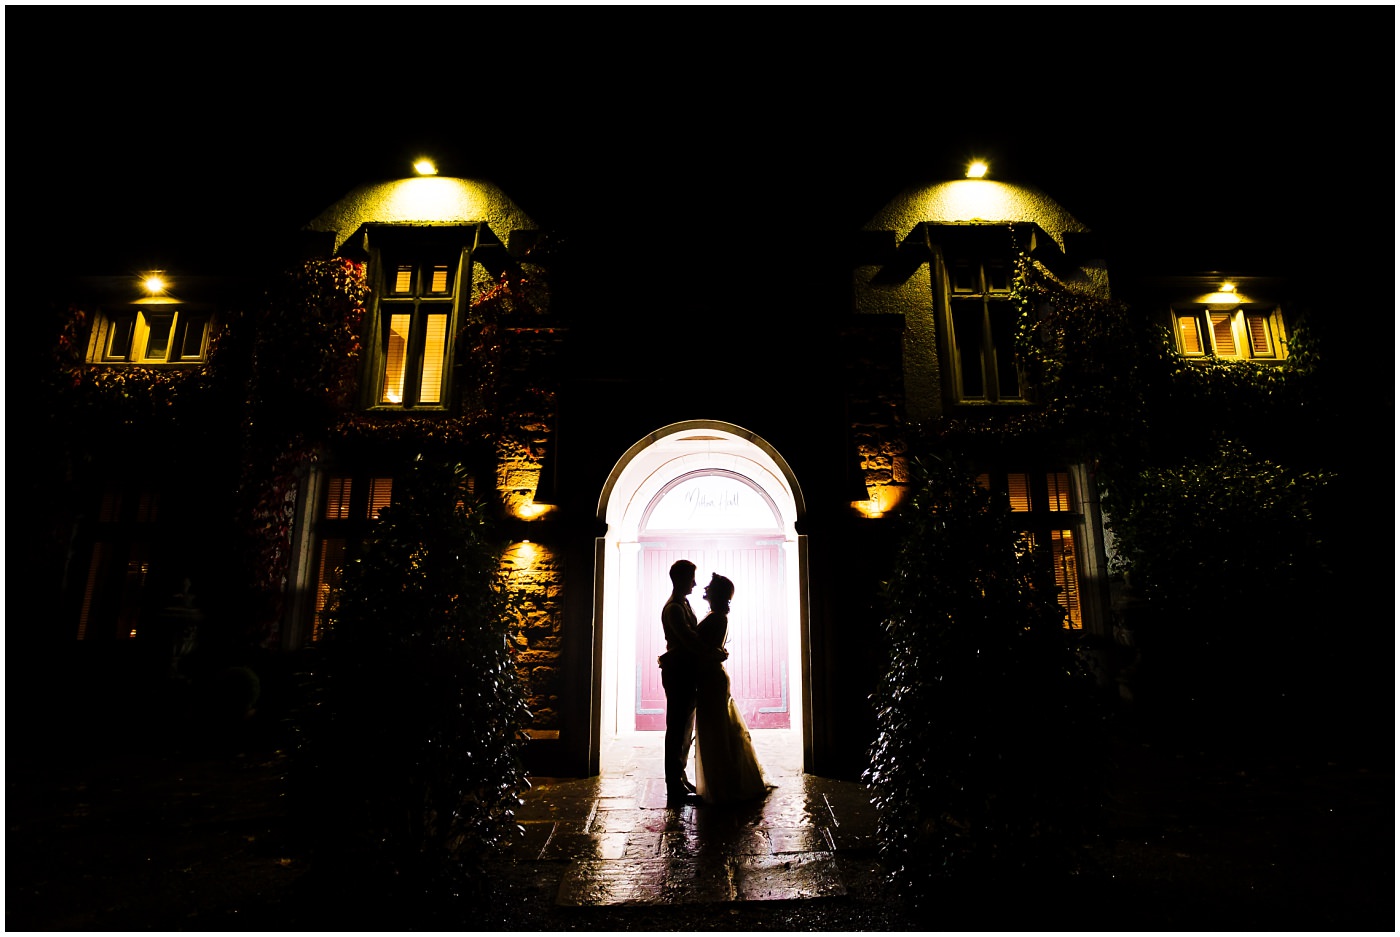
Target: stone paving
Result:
[621, 844]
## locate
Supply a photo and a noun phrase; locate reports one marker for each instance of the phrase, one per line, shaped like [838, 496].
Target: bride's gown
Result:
[726, 766]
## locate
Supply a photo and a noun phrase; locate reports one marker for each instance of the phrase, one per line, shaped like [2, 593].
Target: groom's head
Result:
[683, 575]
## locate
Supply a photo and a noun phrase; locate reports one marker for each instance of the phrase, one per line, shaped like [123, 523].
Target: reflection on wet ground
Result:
[810, 837]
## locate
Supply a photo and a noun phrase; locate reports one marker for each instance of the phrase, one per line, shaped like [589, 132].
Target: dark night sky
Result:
[1181, 133]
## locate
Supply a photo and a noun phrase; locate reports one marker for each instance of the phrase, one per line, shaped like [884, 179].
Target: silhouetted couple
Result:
[699, 708]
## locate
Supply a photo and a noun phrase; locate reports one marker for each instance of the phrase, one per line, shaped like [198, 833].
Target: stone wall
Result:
[535, 577]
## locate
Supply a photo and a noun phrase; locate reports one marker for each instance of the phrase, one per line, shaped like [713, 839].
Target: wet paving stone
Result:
[786, 878]
[809, 839]
[626, 845]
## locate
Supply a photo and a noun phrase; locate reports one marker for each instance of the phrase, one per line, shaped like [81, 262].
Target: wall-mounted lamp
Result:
[425, 167]
[156, 289]
[976, 169]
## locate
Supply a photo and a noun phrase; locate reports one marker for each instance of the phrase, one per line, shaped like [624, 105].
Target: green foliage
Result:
[409, 759]
[1210, 474]
[1226, 529]
[987, 748]
[304, 345]
[308, 343]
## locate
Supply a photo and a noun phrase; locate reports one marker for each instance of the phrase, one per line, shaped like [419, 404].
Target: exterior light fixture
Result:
[425, 167]
[1227, 287]
[976, 169]
[153, 283]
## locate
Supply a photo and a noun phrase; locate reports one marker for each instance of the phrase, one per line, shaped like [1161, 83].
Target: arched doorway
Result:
[718, 495]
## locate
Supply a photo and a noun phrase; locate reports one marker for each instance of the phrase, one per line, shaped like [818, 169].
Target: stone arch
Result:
[634, 488]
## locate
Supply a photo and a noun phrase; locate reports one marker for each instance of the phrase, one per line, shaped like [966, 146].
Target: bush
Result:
[988, 743]
[409, 756]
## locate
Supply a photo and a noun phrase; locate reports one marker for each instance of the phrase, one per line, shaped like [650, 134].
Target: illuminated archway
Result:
[639, 499]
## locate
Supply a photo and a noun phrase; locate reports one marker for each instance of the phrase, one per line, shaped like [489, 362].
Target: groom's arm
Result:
[682, 635]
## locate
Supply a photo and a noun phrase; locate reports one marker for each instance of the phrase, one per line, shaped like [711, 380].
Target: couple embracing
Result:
[698, 704]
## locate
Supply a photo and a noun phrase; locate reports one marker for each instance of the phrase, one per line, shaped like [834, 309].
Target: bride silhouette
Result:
[726, 767]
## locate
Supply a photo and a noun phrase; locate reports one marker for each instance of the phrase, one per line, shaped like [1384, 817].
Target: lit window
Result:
[1042, 509]
[1237, 334]
[982, 326]
[1066, 575]
[439, 280]
[352, 502]
[327, 581]
[1018, 490]
[156, 336]
[415, 311]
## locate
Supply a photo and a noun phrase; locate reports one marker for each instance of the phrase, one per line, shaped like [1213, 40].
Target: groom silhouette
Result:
[678, 671]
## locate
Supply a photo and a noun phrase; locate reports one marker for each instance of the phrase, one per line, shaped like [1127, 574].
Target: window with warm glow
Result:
[1042, 508]
[981, 325]
[416, 305]
[352, 503]
[1244, 333]
[155, 336]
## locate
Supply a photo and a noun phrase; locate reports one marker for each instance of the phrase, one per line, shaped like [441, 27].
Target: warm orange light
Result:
[868, 509]
[153, 284]
[976, 169]
[520, 555]
[425, 167]
[1227, 287]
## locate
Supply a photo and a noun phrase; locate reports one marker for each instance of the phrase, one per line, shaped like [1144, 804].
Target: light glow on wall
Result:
[426, 198]
[529, 510]
[519, 556]
[980, 200]
[883, 499]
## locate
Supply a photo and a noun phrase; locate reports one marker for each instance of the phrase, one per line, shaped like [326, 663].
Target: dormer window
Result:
[982, 330]
[1238, 333]
[422, 279]
[158, 335]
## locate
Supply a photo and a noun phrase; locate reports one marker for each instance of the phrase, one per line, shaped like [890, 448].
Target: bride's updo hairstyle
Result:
[721, 591]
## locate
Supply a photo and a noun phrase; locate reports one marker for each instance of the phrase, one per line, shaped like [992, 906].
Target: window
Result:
[1241, 333]
[118, 567]
[154, 335]
[352, 502]
[1041, 505]
[981, 326]
[422, 282]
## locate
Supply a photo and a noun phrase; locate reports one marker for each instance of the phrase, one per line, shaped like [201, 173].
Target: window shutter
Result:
[439, 282]
[1223, 334]
[1018, 489]
[381, 492]
[338, 498]
[395, 358]
[1057, 487]
[1190, 336]
[403, 279]
[433, 352]
[1067, 575]
[1260, 344]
